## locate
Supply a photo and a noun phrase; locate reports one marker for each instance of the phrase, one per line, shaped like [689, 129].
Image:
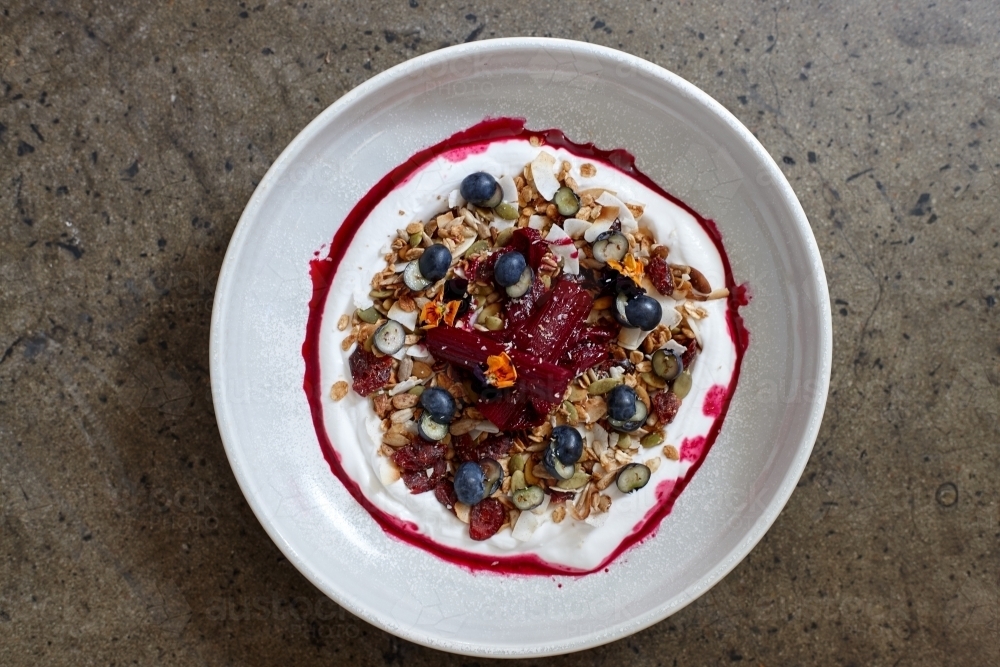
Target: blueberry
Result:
[492, 475]
[554, 466]
[470, 483]
[435, 262]
[568, 444]
[475, 480]
[621, 402]
[644, 312]
[481, 189]
[438, 403]
[508, 268]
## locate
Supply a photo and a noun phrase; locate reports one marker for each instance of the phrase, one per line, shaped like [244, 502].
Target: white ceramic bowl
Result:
[691, 146]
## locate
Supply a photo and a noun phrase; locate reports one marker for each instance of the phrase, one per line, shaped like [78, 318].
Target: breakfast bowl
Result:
[274, 351]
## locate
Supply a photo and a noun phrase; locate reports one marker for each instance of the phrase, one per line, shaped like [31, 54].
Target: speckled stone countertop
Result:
[132, 135]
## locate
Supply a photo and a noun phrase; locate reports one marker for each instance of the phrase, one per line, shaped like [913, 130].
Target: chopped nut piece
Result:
[343, 322]
[395, 439]
[587, 170]
[558, 514]
[404, 400]
[462, 426]
[671, 453]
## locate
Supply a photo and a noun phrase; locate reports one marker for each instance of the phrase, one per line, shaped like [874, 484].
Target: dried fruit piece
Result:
[421, 482]
[445, 494]
[368, 371]
[659, 273]
[665, 405]
[485, 519]
[418, 456]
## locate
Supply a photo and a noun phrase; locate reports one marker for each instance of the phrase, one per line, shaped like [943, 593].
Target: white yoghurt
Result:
[353, 427]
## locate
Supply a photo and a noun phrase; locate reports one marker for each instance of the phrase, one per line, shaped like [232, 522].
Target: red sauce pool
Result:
[323, 269]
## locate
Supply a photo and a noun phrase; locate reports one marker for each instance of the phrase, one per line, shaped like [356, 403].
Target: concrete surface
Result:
[132, 134]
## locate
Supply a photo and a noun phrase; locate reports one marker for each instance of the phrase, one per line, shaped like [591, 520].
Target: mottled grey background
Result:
[132, 134]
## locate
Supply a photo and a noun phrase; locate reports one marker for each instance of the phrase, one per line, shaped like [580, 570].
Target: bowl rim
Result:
[753, 535]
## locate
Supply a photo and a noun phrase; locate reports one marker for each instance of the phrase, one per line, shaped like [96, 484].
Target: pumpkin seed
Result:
[652, 440]
[369, 315]
[603, 386]
[571, 413]
[503, 238]
[416, 391]
[415, 239]
[380, 294]
[506, 211]
[624, 441]
[682, 385]
[517, 481]
[653, 380]
[577, 481]
[517, 461]
[476, 248]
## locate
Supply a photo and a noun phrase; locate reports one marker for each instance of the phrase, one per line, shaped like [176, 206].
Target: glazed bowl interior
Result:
[687, 143]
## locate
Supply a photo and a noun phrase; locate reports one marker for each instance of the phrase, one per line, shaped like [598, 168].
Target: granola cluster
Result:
[468, 299]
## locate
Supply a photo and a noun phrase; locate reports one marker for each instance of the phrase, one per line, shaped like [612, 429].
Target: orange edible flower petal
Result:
[631, 268]
[451, 312]
[500, 371]
[430, 314]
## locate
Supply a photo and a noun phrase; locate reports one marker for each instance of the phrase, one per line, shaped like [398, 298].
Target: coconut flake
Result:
[408, 320]
[562, 246]
[466, 244]
[540, 510]
[537, 222]
[543, 173]
[596, 229]
[500, 224]
[670, 317]
[509, 189]
[631, 338]
[417, 350]
[525, 526]
[601, 440]
[575, 227]
[628, 222]
[455, 199]
[387, 473]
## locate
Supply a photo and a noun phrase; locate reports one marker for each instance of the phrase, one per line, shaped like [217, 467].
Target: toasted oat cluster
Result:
[517, 354]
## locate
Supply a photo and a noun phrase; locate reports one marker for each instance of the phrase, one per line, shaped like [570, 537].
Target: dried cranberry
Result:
[369, 372]
[659, 273]
[420, 482]
[559, 497]
[666, 404]
[445, 494]
[465, 448]
[495, 447]
[690, 353]
[418, 456]
[485, 519]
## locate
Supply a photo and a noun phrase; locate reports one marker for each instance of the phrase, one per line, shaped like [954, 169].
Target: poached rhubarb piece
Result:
[547, 348]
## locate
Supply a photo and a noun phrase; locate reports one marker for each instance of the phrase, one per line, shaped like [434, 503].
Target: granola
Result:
[516, 352]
